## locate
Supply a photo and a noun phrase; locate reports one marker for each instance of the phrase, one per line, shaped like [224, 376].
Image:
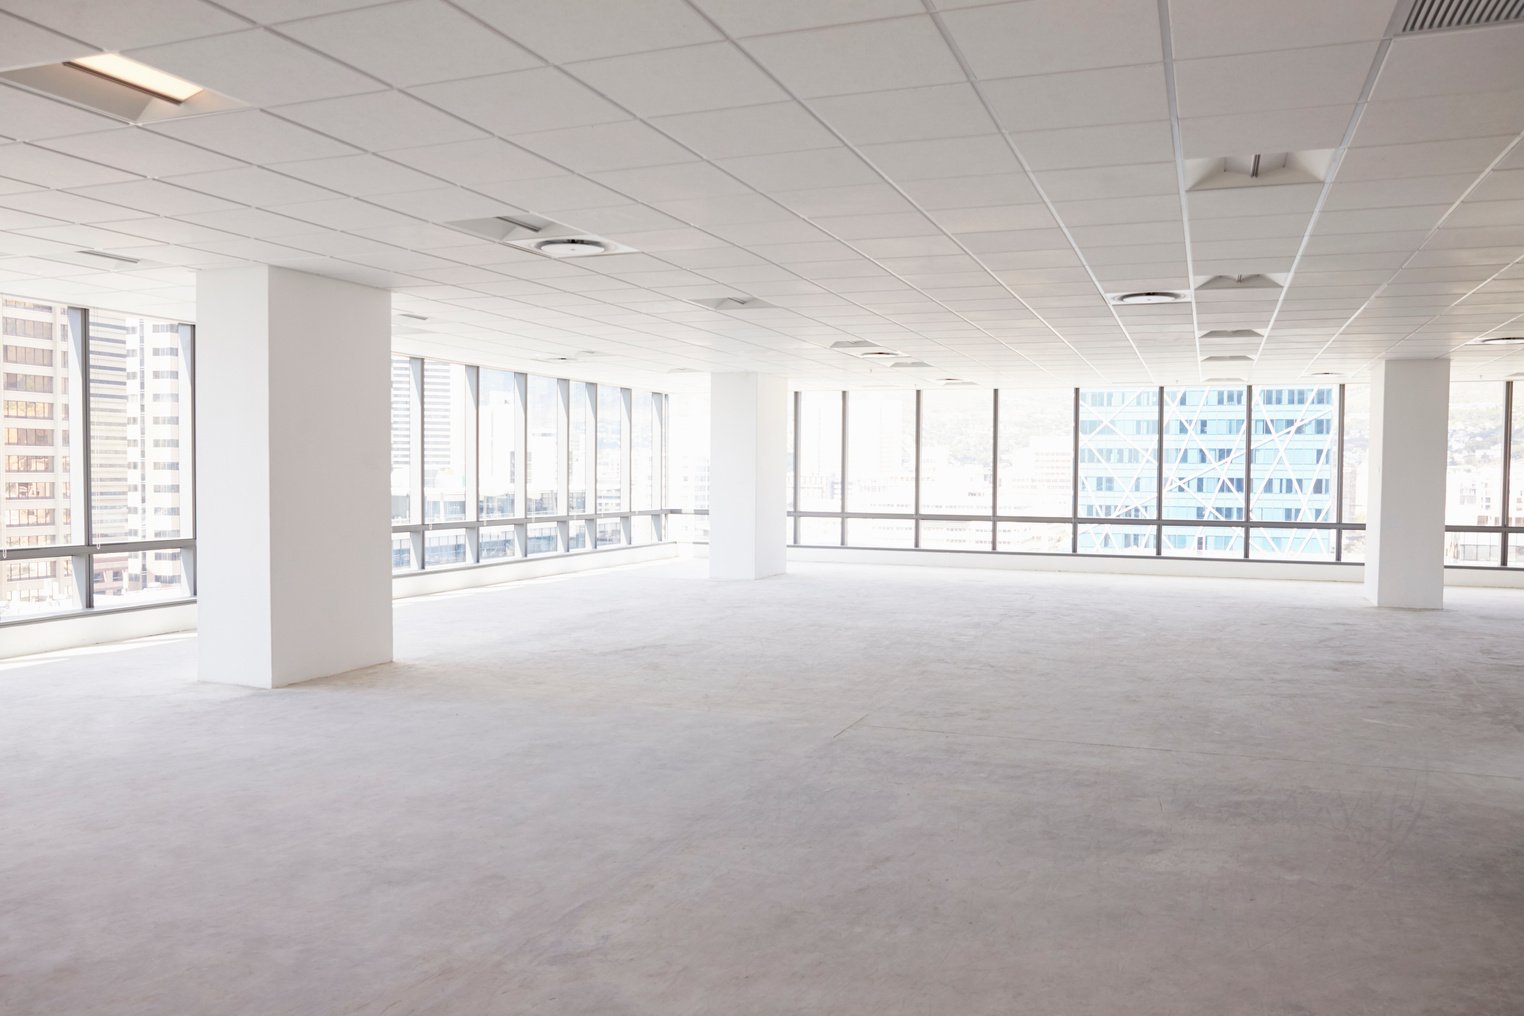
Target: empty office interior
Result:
[623, 507]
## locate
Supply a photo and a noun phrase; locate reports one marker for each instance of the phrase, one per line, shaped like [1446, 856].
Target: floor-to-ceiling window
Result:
[1484, 505]
[509, 465]
[1216, 471]
[96, 486]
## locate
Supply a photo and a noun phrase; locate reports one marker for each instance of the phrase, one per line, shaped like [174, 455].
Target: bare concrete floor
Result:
[847, 791]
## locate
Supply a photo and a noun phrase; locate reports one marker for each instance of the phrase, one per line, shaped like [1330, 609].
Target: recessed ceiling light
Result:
[137, 75]
[881, 353]
[415, 317]
[1500, 340]
[570, 247]
[1147, 298]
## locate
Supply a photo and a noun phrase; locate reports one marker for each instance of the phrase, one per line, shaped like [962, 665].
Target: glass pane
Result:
[643, 529]
[39, 499]
[880, 532]
[444, 441]
[880, 452]
[495, 543]
[955, 535]
[1354, 546]
[1296, 454]
[1037, 452]
[544, 446]
[1292, 544]
[957, 451]
[442, 549]
[1035, 537]
[1516, 550]
[402, 439]
[1357, 444]
[544, 538]
[1118, 457]
[1203, 541]
[582, 446]
[695, 529]
[642, 451]
[688, 450]
[788, 451]
[1473, 548]
[140, 454]
[1204, 462]
[1474, 478]
[820, 452]
[37, 587]
[402, 552]
[143, 576]
[577, 535]
[1102, 538]
[1516, 482]
[610, 532]
[819, 532]
[611, 436]
[498, 444]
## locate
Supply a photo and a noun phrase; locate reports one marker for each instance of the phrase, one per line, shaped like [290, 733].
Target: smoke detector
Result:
[541, 236]
[1142, 298]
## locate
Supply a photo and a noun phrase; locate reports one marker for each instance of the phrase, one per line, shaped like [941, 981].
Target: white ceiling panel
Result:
[1285, 79]
[899, 53]
[746, 17]
[907, 114]
[691, 79]
[1079, 99]
[566, 30]
[752, 130]
[126, 24]
[252, 136]
[411, 43]
[140, 152]
[1453, 63]
[257, 67]
[483, 160]
[625, 145]
[540, 99]
[380, 121]
[1051, 36]
[1208, 28]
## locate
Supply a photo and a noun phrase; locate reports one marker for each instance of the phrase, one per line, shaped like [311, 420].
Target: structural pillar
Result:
[1405, 519]
[293, 425]
[748, 469]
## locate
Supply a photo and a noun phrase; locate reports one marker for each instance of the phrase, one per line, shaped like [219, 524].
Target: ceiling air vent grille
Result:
[1433, 15]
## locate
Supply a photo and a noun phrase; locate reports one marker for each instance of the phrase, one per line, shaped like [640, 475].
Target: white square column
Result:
[293, 430]
[1405, 521]
[748, 470]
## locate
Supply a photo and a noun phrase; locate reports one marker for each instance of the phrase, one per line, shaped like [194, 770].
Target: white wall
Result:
[1405, 521]
[293, 464]
[748, 469]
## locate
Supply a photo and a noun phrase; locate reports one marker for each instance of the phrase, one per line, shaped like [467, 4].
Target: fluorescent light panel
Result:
[137, 75]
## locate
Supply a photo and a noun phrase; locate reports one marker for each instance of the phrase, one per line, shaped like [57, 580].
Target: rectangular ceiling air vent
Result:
[1434, 15]
[1258, 169]
[1227, 359]
[1232, 333]
[538, 235]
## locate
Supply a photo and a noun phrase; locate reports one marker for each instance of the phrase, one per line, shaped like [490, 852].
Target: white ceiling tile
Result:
[550, 196]
[1427, 158]
[359, 175]
[973, 191]
[484, 160]
[989, 218]
[687, 80]
[1279, 130]
[411, 43]
[1507, 185]
[416, 236]
[541, 99]
[66, 207]
[155, 197]
[927, 160]
[1441, 118]
[855, 227]
[1201, 28]
[1452, 63]
[253, 136]
[825, 167]
[565, 30]
[861, 199]
[625, 145]
[1076, 147]
[138, 151]
[246, 222]
[125, 24]
[251, 185]
[443, 204]
[1396, 192]
[1079, 98]
[26, 117]
[908, 114]
[747, 17]
[1110, 181]
[380, 121]
[1050, 36]
[752, 130]
[1317, 76]
[171, 230]
[344, 213]
[1102, 211]
[257, 67]
[901, 53]
[23, 44]
[670, 183]
[42, 167]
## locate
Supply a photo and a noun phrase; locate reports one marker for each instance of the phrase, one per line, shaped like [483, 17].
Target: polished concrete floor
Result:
[851, 790]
